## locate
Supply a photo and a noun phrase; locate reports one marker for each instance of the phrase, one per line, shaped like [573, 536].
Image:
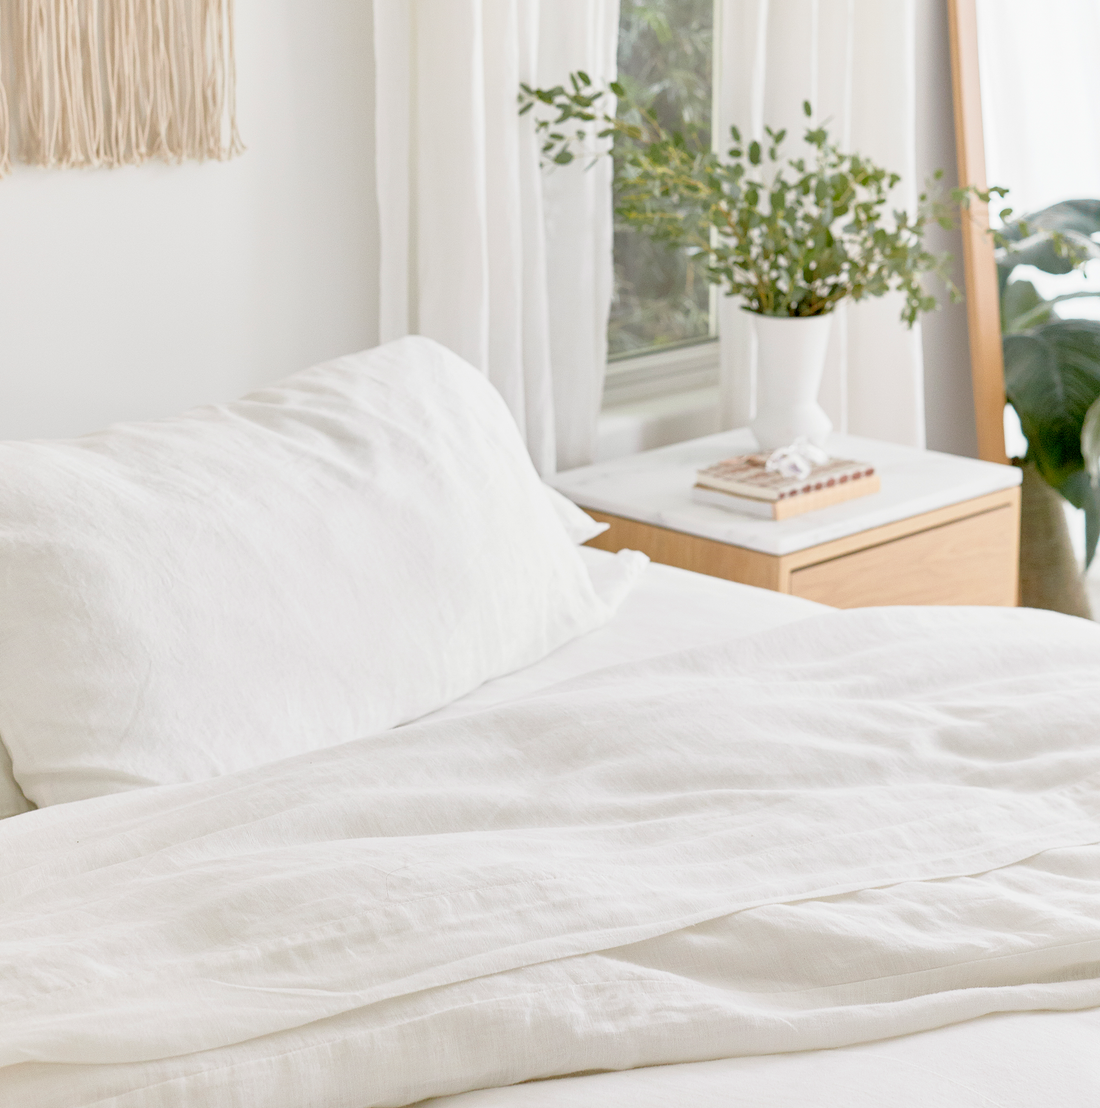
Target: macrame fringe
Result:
[117, 82]
[5, 124]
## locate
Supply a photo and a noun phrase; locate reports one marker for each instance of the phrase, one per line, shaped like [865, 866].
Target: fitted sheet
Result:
[667, 609]
[1014, 1060]
[1006, 1060]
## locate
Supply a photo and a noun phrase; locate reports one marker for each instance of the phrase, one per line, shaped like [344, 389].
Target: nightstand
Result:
[942, 530]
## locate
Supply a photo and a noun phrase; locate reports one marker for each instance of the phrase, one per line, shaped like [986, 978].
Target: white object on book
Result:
[797, 460]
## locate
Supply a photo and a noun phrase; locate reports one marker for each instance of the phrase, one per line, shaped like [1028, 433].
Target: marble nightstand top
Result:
[654, 487]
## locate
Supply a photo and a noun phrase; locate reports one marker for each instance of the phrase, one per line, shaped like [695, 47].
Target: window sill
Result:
[691, 367]
[645, 424]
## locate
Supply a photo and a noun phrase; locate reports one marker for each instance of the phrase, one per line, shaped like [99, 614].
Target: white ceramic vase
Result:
[790, 359]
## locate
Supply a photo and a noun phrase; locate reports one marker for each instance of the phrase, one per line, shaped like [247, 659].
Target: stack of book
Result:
[745, 484]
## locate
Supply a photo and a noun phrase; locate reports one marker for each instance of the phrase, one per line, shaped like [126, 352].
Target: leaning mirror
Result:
[1027, 114]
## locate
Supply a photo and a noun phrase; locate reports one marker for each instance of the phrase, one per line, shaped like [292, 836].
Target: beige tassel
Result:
[116, 82]
[5, 125]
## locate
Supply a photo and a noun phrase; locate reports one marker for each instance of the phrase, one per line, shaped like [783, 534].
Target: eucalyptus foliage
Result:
[1052, 365]
[789, 236]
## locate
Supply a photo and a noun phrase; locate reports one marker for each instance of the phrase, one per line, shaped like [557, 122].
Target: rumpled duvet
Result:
[853, 827]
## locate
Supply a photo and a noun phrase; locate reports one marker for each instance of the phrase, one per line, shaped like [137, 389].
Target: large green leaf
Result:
[1052, 366]
[1082, 216]
[1020, 306]
[1042, 238]
[1045, 252]
[1052, 377]
[1079, 490]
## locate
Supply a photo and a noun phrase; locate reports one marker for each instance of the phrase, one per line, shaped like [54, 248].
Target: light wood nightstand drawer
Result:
[965, 553]
[956, 563]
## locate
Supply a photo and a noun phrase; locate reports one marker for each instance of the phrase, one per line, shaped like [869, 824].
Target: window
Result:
[662, 299]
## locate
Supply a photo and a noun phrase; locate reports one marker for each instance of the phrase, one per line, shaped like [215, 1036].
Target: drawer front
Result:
[969, 561]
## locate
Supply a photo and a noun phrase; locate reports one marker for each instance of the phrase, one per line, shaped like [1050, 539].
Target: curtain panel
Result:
[507, 264]
[854, 60]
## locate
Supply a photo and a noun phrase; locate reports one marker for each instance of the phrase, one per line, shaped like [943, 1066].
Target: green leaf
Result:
[1080, 492]
[1046, 252]
[1022, 307]
[1078, 216]
[1052, 377]
[754, 152]
[807, 111]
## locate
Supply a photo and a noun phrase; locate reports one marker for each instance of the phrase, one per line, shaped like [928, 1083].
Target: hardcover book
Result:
[745, 484]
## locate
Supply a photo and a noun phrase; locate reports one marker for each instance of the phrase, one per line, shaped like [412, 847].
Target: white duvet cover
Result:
[861, 825]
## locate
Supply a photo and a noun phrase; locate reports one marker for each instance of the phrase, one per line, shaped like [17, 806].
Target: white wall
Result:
[137, 292]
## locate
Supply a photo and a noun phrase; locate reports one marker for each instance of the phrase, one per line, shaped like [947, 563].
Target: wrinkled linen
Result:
[666, 609]
[337, 553]
[854, 827]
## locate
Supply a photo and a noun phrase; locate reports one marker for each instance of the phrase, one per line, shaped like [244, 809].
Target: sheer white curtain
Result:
[854, 60]
[506, 264]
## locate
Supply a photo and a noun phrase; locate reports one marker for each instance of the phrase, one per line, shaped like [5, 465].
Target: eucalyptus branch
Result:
[790, 237]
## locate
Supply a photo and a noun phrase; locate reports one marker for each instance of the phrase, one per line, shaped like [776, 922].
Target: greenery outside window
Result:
[663, 302]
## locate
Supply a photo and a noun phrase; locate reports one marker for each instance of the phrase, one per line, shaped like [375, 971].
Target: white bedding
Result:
[1013, 1060]
[1016, 1060]
[854, 827]
[666, 609]
[334, 554]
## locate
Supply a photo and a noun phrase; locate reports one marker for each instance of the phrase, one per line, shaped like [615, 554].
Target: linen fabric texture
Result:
[578, 524]
[325, 558]
[850, 828]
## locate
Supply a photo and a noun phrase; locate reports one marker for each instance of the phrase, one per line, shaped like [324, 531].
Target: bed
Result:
[706, 844]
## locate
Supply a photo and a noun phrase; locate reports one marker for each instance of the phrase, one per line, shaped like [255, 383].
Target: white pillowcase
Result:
[578, 524]
[325, 558]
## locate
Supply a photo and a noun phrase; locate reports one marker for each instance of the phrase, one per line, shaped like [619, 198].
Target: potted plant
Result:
[791, 237]
[1052, 380]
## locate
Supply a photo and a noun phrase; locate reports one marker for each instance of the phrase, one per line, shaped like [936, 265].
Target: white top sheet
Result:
[1014, 1060]
[857, 826]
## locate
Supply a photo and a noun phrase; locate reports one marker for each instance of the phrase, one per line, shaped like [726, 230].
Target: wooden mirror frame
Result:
[983, 308]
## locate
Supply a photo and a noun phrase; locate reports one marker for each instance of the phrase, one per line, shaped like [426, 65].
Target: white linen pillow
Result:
[578, 524]
[349, 549]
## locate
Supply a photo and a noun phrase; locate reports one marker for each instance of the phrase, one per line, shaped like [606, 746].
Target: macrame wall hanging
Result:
[117, 82]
